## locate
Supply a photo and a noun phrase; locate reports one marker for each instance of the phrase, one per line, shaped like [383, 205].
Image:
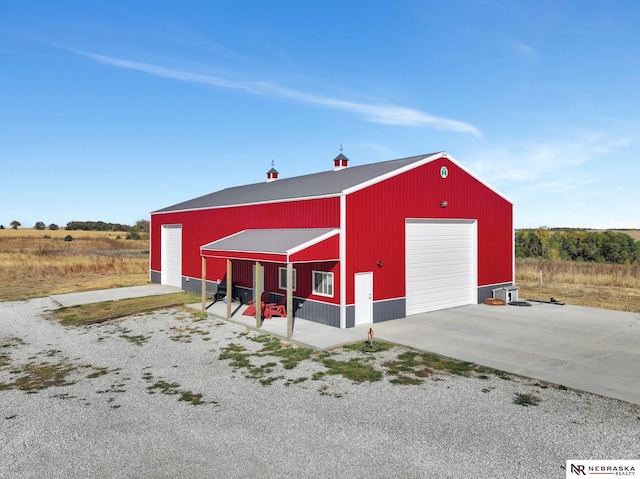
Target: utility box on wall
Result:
[507, 294]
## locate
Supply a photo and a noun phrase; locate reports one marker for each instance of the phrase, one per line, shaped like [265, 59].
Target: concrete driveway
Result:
[588, 349]
[113, 294]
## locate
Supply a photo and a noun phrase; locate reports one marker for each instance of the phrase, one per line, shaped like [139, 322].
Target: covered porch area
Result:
[287, 247]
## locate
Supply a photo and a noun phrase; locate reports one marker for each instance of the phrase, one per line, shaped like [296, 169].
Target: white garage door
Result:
[441, 259]
[171, 256]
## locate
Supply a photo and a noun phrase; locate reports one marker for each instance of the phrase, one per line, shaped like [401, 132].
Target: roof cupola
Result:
[272, 174]
[340, 162]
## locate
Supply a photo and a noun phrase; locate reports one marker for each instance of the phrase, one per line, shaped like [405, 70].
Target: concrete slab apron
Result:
[114, 294]
[588, 349]
[305, 333]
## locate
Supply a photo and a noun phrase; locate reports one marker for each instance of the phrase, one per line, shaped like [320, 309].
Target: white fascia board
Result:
[235, 205]
[220, 239]
[311, 242]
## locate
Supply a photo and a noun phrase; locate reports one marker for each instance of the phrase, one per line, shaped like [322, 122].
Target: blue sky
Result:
[112, 109]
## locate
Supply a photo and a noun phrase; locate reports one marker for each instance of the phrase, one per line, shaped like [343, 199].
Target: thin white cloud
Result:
[573, 188]
[525, 50]
[530, 161]
[380, 113]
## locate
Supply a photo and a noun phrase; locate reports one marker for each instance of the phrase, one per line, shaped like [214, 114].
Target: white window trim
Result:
[313, 282]
[284, 286]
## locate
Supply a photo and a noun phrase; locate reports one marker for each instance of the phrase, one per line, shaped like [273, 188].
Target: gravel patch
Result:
[149, 397]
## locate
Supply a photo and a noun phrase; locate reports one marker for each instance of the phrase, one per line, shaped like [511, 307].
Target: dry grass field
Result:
[37, 263]
[40, 263]
[597, 285]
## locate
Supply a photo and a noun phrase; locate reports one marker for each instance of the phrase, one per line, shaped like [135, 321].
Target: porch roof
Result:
[284, 245]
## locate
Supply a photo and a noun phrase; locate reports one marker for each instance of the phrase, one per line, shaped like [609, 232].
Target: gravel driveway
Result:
[149, 397]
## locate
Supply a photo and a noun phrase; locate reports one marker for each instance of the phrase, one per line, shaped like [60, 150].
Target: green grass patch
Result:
[165, 387]
[269, 343]
[353, 369]
[526, 399]
[421, 364]
[291, 356]
[139, 339]
[107, 310]
[9, 342]
[235, 352]
[4, 360]
[269, 381]
[409, 366]
[402, 379]
[98, 372]
[199, 316]
[364, 346]
[33, 377]
[295, 381]
[259, 372]
[186, 333]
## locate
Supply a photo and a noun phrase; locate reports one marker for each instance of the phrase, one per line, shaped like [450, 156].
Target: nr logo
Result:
[578, 469]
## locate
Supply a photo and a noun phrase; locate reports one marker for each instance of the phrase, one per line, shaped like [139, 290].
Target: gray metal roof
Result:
[279, 241]
[327, 183]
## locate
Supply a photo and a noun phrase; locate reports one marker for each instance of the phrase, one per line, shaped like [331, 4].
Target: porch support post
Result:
[204, 284]
[257, 296]
[229, 289]
[289, 300]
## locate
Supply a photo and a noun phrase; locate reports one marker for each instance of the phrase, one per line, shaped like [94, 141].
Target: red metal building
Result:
[365, 244]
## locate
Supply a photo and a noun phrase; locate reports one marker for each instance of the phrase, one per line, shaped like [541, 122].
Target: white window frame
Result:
[325, 274]
[282, 285]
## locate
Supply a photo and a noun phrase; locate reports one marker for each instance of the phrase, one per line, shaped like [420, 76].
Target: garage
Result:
[441, 259]
[171, 257]
[429, 233]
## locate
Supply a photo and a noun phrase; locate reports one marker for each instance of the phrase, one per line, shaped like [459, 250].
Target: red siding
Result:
[243, 276]
[204, 226]
[328, 249]
[376, 224]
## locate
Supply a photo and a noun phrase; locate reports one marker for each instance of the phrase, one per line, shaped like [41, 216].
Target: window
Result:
[282, 281]
[323, 283]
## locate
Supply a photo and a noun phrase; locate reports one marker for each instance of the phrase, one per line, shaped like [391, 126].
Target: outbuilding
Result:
[352, 245]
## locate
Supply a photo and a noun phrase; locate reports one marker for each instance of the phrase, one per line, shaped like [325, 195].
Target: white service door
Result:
[171, 255]
[441, 264]
[363, 298]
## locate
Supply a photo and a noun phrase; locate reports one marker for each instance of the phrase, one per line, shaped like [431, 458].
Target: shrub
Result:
[68, 238]
[53, 227]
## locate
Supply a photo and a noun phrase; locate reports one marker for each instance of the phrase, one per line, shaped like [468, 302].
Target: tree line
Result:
[577, 245]
[141, 226]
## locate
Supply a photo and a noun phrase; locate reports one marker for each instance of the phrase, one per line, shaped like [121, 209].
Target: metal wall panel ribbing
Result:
[441, 259]
[171, 256]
